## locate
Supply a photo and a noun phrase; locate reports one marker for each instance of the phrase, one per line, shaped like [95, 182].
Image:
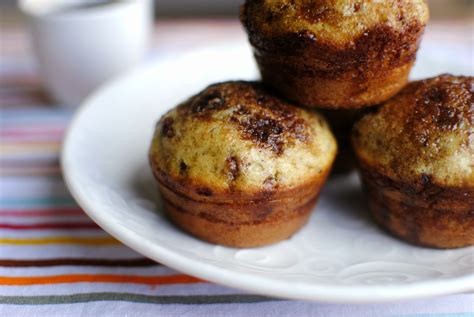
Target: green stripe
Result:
[35, 202]
[137, 298]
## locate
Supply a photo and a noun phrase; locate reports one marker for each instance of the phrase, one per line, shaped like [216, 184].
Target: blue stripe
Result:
[29, 114]
[38, 109]
[37, 202]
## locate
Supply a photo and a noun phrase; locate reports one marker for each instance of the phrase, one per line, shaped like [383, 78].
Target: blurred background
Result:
[440, 9]
[182, 25]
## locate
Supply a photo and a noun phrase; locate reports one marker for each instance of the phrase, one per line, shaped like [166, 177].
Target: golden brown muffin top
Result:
[426, 131]
[333, 21]
[236, 136]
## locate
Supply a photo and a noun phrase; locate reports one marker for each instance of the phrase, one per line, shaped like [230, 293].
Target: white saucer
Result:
[340, 256]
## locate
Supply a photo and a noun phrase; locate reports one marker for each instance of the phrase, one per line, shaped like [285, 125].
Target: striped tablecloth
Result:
[54, 261]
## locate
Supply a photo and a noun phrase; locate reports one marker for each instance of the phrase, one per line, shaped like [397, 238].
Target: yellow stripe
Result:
[61, 240]
[13, 148]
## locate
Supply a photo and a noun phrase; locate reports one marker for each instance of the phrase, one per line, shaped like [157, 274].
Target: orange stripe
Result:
[61, 240]
[99, 278]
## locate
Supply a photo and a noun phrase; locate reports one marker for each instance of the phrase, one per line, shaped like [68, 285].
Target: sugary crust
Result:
[236, 137]
[338, 61]
[333, 21]
[428, 129]
[421, 212]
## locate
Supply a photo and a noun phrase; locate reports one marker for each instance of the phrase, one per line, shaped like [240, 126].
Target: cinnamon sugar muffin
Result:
[416, 156]
[239, 167]
[335, 53]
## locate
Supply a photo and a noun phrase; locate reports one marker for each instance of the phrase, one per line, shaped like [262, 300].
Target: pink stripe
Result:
[20, 132]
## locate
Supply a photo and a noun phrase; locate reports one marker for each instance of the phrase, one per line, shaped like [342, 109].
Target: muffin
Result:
[341, 123]
[335, 54]
[416, 157]
[238, 167]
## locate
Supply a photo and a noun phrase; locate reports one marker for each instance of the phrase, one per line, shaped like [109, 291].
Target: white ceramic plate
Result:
[340, 256]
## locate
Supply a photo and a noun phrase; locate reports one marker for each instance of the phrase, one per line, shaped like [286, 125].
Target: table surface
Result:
[55, 261]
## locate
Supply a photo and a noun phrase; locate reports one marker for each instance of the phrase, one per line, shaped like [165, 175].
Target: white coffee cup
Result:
[80, 44]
